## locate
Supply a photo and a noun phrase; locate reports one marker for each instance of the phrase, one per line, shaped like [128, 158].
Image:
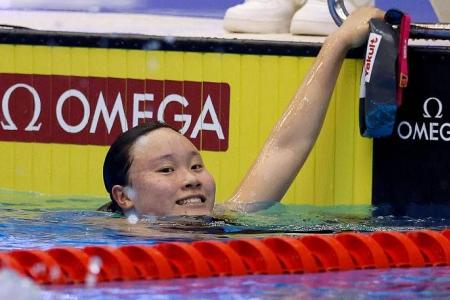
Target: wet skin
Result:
[167, 177]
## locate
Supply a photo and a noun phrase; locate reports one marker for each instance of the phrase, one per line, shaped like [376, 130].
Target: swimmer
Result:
[153, 170]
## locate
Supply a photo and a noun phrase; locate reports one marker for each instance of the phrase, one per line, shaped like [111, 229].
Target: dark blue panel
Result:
[197, 8]
[413, 165]
[420, 10]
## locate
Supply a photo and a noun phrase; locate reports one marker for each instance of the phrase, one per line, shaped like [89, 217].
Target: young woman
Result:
[154, 170]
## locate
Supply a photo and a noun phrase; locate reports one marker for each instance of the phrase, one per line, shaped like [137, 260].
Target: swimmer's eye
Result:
[166, 170]
[197, 167]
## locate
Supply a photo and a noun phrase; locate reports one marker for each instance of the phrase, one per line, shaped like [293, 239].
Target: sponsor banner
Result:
[371, 54]
[429, 126]
[413, 165]
[94, 110]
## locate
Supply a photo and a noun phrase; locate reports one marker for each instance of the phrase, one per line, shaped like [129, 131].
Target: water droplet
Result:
[38, 269]
[170, 39]
[55, 273]
[90, 280]
[152, 45]
[153, 64]
[95, 264]
[132, 219]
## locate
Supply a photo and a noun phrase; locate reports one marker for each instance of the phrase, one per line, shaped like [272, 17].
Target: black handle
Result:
[338, 11]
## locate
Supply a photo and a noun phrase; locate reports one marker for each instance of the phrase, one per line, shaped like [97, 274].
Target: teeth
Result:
[190, 201]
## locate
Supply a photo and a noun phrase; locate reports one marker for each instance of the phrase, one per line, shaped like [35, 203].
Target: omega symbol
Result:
[10, 125]
[426, 113]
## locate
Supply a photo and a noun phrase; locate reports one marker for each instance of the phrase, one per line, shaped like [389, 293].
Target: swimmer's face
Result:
[167, 176]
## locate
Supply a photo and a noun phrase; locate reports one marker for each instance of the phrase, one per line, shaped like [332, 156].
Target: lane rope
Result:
[272, 255]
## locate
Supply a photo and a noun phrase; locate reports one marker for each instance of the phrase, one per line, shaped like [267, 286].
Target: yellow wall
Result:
[338, 171]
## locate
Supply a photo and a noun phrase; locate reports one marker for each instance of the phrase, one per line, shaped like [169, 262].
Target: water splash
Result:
[94, 268]
[13, 286]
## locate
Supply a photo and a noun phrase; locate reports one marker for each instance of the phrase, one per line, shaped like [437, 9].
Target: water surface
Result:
[29, 220]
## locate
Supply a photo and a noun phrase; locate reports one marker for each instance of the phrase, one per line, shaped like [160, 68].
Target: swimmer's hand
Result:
[354, 31]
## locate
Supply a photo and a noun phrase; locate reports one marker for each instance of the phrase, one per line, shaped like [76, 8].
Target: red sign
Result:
[94, 110]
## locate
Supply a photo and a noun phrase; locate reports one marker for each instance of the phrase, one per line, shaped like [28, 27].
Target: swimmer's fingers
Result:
[355, 29]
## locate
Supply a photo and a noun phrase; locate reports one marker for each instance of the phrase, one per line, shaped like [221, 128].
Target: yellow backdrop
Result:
[338, 171]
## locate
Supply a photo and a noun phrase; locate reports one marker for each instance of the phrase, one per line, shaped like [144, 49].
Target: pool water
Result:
[419, 283]
[38, 221]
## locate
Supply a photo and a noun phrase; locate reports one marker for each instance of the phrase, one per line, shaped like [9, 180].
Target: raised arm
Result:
[295, 133]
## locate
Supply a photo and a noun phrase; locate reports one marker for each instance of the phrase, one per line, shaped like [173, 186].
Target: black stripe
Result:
[148, 42]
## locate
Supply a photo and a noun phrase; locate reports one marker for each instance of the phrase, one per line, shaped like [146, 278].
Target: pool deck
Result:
[147, 24]
[120, 23]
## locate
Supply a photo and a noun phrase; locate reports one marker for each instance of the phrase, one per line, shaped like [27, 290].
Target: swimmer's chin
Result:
[192, 211]
[133, 217]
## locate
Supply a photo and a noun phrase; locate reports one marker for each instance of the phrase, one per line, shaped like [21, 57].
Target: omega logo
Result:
[117, 111]
[438, 102]
[99, 112]
[428, 131]
[32, 126]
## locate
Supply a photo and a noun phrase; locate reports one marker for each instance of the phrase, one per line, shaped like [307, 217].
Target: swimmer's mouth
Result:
[196, 199]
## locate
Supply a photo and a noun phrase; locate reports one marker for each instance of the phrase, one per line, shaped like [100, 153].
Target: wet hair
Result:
[118, 160]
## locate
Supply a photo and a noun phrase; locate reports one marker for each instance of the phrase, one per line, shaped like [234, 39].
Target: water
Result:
[413, 283]
[30, 220]
[423, 283]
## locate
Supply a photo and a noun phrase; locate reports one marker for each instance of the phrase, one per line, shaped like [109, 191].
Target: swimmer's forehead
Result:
[164, 143]
[171, 156]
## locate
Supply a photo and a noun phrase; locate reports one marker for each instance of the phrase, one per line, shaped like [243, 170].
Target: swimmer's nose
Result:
[191, 181]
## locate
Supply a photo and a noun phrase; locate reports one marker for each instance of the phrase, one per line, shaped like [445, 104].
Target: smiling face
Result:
[167, 176]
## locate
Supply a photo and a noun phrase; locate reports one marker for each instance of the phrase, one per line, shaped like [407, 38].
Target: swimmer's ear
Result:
[120, 195]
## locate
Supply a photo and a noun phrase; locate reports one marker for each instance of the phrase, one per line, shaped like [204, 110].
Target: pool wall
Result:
[232, 90]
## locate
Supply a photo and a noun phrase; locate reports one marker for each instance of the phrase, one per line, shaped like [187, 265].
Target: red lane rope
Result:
[272, 255]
